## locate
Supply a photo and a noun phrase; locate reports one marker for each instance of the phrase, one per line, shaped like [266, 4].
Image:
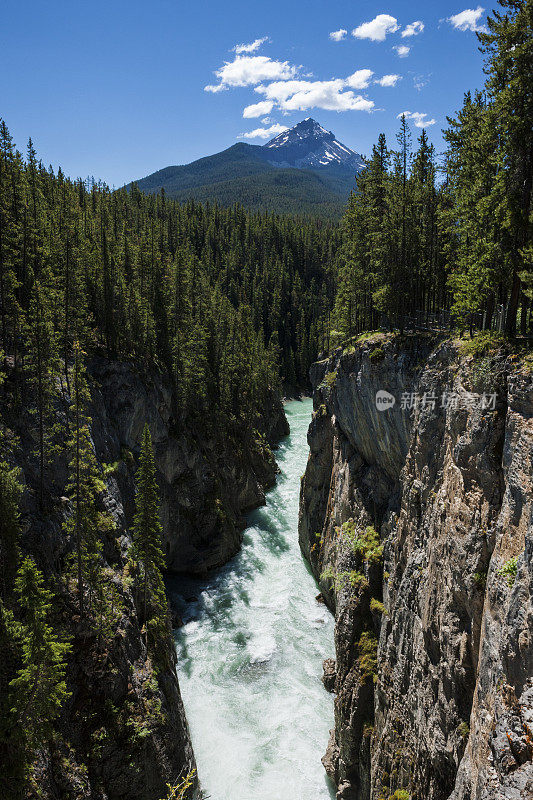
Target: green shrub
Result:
[463, 730]
[181, 789]
[483, 375]
[339, 579]
[378, 354]
[368, 662]
[376, 605]
[480, 579]
[482, 343]
[110, 469]
[509, 570]
[365, 544]
[328, 574]
[399, 794]
[330, 379]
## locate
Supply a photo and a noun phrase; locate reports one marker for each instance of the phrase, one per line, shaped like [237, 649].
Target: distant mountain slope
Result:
[304, 170]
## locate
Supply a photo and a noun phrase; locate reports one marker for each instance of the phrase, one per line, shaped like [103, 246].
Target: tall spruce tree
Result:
[10, 493]
[42, 367]
[83, 488]
[38, 690]
[147, 546]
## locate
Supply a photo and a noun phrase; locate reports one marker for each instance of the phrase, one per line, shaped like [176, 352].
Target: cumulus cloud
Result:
[249, 71]
[402, 50]
[468, 19]
[264, 133]
[388, 80]
[258, 109]
[413, 29]
[302, 95]
[376, 29]
[418, 119]
[283, 87]
[338, 36]
[359, 79]
[252, 47]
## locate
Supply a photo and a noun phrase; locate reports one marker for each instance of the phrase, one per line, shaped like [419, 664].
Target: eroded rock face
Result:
[449, 489]
[206, 483]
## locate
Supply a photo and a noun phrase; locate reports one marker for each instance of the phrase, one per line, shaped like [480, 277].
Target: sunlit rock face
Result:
[448, 713]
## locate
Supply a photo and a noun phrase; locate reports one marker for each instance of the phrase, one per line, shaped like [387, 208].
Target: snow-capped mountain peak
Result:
[309, 145]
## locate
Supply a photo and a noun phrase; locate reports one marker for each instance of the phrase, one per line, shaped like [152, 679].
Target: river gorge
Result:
[251, 649]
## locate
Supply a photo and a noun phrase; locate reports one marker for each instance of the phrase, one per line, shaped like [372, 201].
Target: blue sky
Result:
[117, 89]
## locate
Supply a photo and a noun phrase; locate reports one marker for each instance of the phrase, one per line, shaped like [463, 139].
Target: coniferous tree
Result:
[42, 367]
[83, 488]
[37, 692]
[10, 493]
[147, 548]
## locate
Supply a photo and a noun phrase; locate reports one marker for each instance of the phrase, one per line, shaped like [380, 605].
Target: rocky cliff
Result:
[417, 522]
[206, 478]
[122, 734]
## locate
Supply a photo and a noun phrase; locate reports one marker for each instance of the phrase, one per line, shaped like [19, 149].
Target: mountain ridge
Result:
[304, 170]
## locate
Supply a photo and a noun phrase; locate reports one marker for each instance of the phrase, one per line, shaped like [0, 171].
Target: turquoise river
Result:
[250, 654]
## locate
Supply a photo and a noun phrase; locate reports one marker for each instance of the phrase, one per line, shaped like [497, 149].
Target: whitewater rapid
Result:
[250, 654]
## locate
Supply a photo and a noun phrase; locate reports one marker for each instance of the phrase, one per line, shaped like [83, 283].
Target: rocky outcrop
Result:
[207, 479]
[433, 626]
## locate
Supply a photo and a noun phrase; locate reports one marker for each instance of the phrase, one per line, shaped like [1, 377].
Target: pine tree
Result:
[508, 47]
[9, 240]
[38, 691]
[83, 488]
[10, 493]
[147, 551]
[43, 369]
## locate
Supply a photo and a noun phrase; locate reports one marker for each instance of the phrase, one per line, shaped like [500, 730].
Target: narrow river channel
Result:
[250, 654]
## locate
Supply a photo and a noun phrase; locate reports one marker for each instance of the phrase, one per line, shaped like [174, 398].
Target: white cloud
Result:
[283, 87]
[413, 29]
[376, 29]
[389, 80]
[264, 133]
[359, 79]
[251, 48]
[266, 121]
[419, 81]
[250, 70]
[302, 95]
[467, 20]
[338, 36]
[258, 109]
[417, 118]
[402, 50]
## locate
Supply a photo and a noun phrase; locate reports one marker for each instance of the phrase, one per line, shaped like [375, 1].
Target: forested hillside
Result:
[303, 171]
[425, 234]
[242, 175]
[187, 317]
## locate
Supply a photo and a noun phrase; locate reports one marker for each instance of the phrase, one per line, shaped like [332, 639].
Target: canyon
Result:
[123, 732]
[415, 518]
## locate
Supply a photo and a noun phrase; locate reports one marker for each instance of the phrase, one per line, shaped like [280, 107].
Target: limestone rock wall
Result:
[448, 712]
